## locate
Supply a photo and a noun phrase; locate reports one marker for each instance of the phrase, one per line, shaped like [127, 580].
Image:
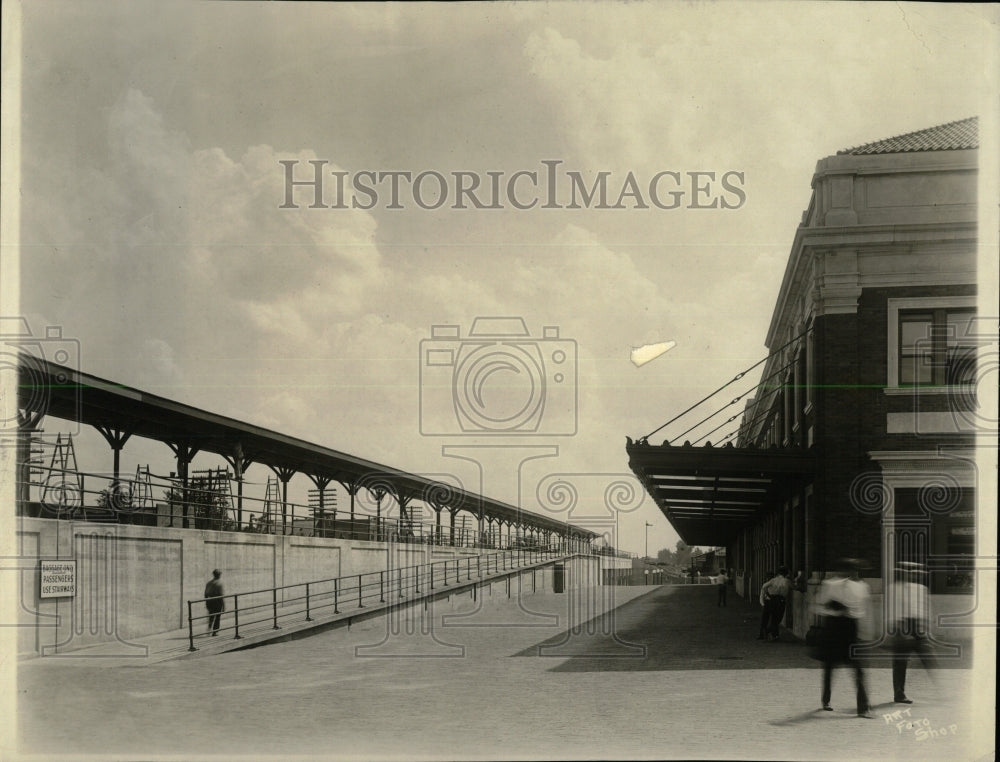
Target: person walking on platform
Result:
[214, 602]
[777, 589]
[765, 607]
[722, 581]
[911, 625]
[842, 602]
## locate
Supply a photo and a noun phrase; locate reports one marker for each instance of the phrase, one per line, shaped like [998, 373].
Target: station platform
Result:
[665, 674]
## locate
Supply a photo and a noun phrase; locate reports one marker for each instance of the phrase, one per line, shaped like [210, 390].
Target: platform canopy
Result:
[709, 493]
[45, 388]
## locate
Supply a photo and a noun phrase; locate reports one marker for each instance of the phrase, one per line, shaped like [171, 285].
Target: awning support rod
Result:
[733, 402]
[735, 378]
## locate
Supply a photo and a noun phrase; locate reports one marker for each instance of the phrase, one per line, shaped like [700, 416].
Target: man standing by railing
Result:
[214, 602]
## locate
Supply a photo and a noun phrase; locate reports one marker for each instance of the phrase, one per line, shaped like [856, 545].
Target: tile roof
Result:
[952, 136]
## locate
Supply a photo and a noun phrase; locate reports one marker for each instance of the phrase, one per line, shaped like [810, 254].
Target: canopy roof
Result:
[709, 493]
[46, 388]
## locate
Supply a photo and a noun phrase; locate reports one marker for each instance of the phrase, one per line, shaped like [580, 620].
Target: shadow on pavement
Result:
[682, 628]
[818, 715]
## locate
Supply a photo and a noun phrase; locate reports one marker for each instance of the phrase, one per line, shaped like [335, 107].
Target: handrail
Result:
[77, 488]
[363, 587]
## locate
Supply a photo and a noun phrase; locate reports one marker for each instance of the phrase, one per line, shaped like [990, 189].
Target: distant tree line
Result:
[679, 557]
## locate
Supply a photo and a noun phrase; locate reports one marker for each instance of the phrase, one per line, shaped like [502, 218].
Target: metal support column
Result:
[184, 452]
[284, 476]
[116, 438]
[321, 482]
[240, 463]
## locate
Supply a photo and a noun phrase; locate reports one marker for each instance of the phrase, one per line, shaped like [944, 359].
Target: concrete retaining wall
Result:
[133, 581]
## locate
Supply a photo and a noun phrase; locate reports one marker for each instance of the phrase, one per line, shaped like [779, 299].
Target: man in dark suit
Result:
[214, 602]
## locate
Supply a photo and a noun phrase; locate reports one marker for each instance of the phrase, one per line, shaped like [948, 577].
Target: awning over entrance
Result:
[709, 493]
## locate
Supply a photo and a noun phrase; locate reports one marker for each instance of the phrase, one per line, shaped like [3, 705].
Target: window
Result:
[935, 348]
[945, 541]
[931, 343]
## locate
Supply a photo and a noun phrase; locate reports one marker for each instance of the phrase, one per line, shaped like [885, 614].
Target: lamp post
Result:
[648, 525]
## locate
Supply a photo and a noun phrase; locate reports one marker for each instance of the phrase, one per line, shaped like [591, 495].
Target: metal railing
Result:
[79, 495]
[304, 601]
[605, 550]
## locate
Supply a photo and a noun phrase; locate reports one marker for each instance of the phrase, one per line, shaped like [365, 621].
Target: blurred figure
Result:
[911, 624]
[799, 583]
[722, 581]
[842, 602]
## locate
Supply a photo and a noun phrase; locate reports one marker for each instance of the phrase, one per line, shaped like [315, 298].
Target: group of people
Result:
[840, 610]
[842, 624]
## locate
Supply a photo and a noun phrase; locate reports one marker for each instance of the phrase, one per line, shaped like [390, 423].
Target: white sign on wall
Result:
[58, 579]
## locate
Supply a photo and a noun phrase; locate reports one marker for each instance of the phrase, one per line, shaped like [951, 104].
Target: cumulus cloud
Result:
[206, 291]
[159, 366]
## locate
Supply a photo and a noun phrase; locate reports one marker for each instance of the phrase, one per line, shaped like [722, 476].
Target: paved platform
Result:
[667, 675]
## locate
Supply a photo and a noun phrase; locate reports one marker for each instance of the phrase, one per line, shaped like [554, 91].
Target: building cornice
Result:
[923, 468]
[833, 287]
[899, 202]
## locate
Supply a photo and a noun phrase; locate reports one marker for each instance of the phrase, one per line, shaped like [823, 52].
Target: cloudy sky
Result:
[151, 136]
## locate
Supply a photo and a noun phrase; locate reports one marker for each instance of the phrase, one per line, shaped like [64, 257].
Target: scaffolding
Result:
[142, 490]
[410, 519]
[211, 495]
[323, 507]
[271, 513]
[62, 491]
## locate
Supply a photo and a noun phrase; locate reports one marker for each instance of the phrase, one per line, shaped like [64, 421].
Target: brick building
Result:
[859, 440]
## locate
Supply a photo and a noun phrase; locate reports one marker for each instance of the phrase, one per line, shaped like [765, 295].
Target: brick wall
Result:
[850, 414]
